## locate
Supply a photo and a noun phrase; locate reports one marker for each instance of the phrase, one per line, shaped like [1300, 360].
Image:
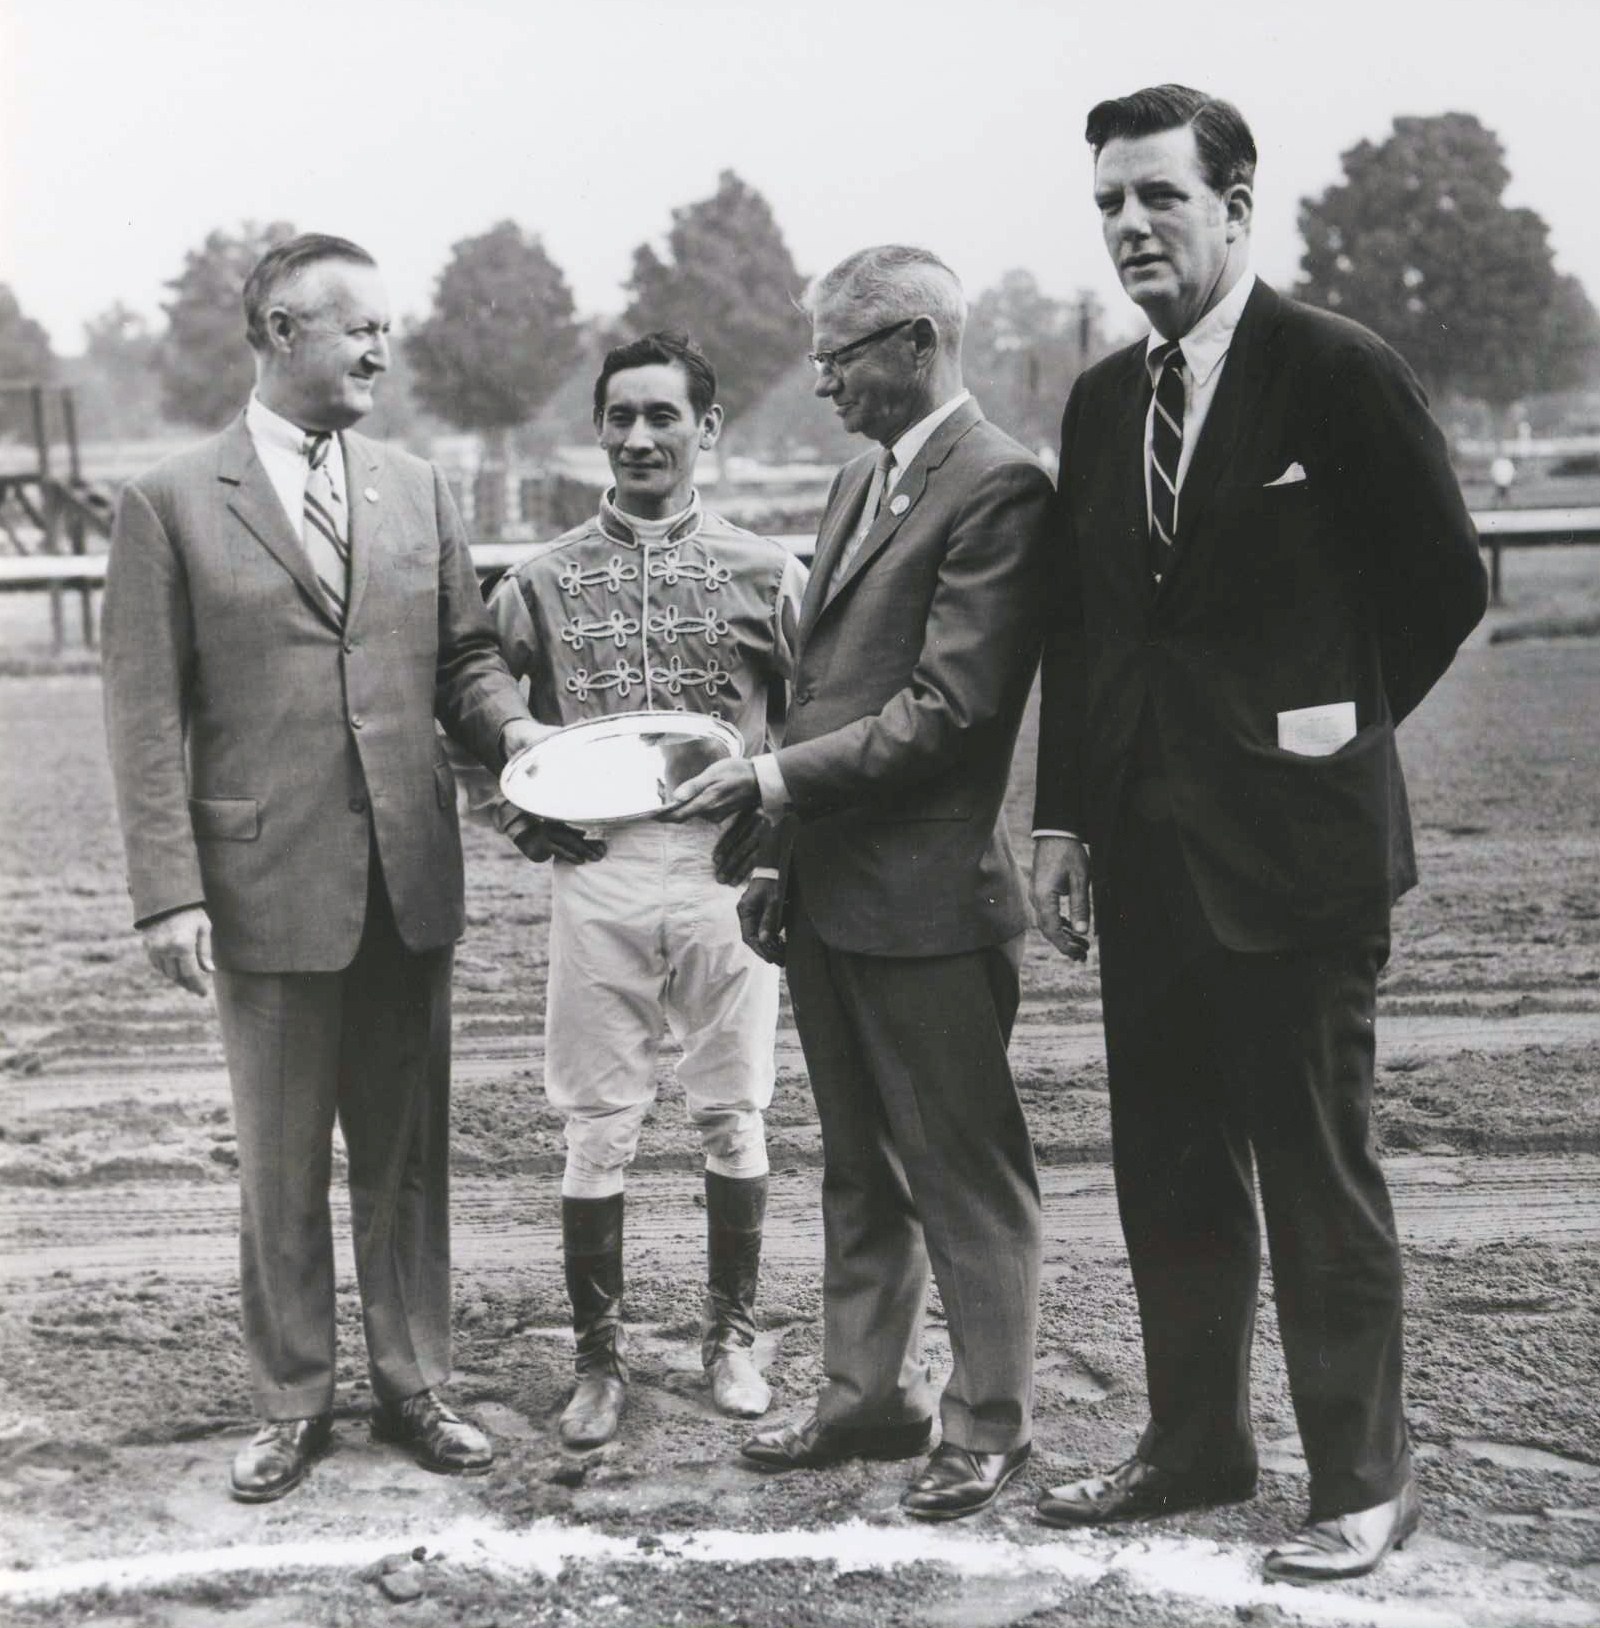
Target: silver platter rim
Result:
[639, 721]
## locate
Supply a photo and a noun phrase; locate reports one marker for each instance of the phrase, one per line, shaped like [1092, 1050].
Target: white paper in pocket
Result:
[1317, 731]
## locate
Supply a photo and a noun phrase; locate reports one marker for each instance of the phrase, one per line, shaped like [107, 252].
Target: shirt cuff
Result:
[161, 915]
[1047, 831]
[775, 798]
[506, 816]
[763, 873]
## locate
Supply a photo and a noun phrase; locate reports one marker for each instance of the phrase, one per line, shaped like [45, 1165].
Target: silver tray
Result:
[606, 771]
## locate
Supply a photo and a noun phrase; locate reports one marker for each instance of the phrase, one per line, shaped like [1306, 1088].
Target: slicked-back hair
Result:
[284, 261]
[891, 281]
[1222, 138]
[663, 348]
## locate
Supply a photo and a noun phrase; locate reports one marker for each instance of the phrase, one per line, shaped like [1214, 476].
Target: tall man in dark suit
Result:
[918, 638]
[1264, 564]
[289, 608]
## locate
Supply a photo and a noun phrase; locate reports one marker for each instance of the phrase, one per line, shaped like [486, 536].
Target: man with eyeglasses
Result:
[901, 912]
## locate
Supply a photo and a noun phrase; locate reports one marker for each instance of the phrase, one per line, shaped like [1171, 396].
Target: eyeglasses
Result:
[832, 361]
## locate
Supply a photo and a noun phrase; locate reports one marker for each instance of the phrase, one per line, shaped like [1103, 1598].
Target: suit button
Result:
[349, 646]
[802, 696]
[356, 720]
[358, 805]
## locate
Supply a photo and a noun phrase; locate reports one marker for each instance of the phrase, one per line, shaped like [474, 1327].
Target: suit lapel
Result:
[362, 463]
[1233, 408]
[838, 523]
[903, 501]
[1125, 475]
[254, 504]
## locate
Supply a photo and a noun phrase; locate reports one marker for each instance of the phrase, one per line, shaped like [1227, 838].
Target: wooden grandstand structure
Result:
[49, 511]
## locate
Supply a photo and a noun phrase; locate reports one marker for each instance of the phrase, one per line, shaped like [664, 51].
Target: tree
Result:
[728, 280]
[1568, 348]
[118, 384]
[204, 361]
[25, 358]
[1417, 243]
[501, 334]
[1023, 349]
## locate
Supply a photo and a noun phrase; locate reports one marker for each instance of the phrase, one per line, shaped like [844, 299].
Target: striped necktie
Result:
[869, 515]
[1166, 452]
[324, 529]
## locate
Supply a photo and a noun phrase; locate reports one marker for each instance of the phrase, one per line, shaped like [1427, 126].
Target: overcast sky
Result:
[130, 128]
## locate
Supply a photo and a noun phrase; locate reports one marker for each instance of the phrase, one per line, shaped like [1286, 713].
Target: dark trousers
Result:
[369, 1044]
[926, 1157]
[1225, 1064]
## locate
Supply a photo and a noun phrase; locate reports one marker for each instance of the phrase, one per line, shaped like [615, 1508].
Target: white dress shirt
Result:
[909, 443]
[905, 446]
[281, 447]
[1205, 349]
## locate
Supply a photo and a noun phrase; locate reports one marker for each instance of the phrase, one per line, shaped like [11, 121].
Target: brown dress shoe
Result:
[814, 1445]
[435, 1435]
[1346, 1545]
[959, 1482]
[275, 1460]
[1135, 1490]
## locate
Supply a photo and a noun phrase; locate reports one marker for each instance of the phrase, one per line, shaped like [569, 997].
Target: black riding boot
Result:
[735, 1210]
[591, 1241]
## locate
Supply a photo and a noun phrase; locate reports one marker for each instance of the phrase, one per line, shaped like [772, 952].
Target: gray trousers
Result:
[369, 1044]
[926, 1159]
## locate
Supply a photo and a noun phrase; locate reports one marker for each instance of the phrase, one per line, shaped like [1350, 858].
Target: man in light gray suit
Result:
[288, 609]
[904, 910]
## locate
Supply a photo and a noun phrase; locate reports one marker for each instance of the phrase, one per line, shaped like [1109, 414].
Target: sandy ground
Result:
[123, 1390]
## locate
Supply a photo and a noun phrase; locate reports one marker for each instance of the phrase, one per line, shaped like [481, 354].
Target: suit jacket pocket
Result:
[1322, 823]
[225, 819]
[444, 785]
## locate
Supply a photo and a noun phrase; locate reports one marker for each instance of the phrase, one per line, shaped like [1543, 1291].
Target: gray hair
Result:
[280, 265]
[892, 281]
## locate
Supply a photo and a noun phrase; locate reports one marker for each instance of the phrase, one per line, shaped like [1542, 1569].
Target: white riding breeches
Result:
[643, 941]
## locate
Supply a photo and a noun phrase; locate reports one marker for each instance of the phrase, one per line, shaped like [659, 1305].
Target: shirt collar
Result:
[910, 442]
[273, 429]
[624, 528]
[1206, 343]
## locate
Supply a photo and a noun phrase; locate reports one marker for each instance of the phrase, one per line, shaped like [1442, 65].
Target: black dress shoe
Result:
[1346, 1545]
[276, 1459]
[1136, 1490]
[435, 1435]
[959, 1482]
[813, 1445]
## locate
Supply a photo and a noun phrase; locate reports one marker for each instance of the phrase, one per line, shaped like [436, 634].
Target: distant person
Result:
[1503, 472]
[655, 603]
[904, 915]
[1264, 564]
[289, 607]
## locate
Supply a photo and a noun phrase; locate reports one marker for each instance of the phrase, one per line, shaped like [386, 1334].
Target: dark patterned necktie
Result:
[1166, 451]
[323, 529]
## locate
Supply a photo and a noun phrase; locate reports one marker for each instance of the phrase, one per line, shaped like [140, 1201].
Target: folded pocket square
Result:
[1289, 477]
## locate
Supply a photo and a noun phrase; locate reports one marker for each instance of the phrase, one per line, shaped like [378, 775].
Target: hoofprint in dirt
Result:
[123, 1389]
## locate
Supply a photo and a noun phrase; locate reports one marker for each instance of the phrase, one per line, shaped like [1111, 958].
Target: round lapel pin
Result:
[899, 504]
[371, 494]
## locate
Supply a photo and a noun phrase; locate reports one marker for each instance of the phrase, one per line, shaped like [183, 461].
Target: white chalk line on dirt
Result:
[1190, 1569]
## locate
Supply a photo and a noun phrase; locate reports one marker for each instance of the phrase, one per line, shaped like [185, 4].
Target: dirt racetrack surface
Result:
[122, 1382]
